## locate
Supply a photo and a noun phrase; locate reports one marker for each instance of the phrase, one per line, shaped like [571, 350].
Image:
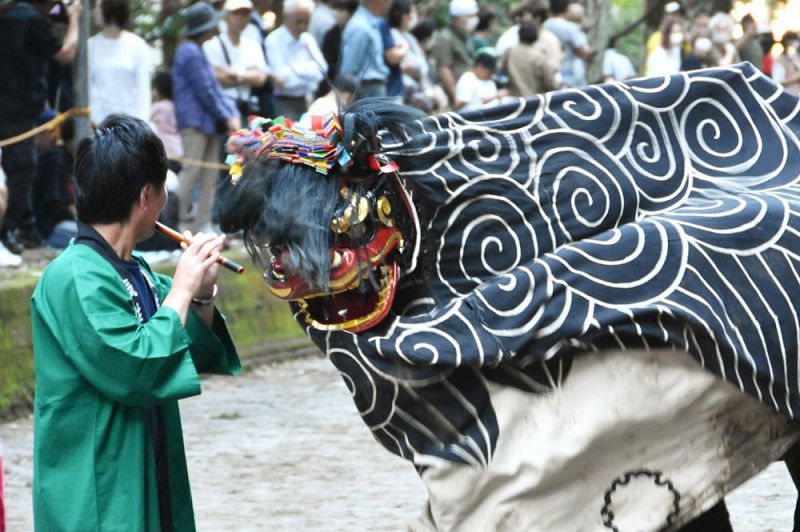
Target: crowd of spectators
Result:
[319, 56]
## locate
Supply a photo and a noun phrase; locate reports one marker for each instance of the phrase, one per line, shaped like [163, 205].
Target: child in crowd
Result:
[476, 87]
[162, 118]
[337, 98]
[53, 199]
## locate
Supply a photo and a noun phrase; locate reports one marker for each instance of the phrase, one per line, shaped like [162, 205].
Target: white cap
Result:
[236, 5]
[463, 8]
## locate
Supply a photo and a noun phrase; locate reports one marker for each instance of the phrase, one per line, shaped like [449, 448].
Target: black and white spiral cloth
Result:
[657, 212]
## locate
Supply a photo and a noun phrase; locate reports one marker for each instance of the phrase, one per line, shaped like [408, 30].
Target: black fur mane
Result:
[287, 208]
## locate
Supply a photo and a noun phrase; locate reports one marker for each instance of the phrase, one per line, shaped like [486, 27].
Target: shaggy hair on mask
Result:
[285, 209]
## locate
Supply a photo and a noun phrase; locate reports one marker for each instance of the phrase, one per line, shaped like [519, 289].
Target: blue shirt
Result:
[362, 47]
[571, 37]
[199, 100]
[142, 287]
[394, 82]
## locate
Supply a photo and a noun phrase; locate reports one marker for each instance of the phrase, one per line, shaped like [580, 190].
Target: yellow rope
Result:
[52, 124]
[61, 117]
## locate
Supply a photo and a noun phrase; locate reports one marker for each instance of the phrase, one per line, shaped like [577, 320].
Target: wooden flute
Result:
[176, 236]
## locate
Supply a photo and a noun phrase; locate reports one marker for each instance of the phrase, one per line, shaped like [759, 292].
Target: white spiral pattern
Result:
[659, 212]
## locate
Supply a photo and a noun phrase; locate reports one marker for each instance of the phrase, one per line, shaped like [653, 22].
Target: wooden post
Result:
[82, 127]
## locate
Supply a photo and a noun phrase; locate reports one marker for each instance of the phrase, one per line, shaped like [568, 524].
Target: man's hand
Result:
[196, 273]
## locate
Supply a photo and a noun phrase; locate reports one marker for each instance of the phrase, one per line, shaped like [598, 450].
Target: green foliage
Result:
[623, 13]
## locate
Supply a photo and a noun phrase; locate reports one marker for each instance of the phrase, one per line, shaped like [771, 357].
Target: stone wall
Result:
[261, 325]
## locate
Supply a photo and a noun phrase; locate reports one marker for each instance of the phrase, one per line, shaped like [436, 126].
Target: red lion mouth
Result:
[353, 303]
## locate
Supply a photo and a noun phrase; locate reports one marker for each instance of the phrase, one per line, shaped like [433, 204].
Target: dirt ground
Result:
[282, 449]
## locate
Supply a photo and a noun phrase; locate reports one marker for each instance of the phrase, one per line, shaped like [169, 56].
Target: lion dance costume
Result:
[551, 307]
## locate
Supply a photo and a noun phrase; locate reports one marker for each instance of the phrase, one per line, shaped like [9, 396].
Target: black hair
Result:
[348, 5]
[557, 7]
[487, 61]
[113, 165]
[423, 30]
[788, 37]
[346, 83]
[162, 82]
[747, 19]
[116, 12]
[485, 17]
[285, 207]
[528, 32]
[397, 11]
[535, 8]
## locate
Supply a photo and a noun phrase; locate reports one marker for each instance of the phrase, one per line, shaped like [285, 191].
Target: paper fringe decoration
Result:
[280, 138]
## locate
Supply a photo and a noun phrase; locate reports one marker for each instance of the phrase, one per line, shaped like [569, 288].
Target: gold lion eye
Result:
[384, 211]
[340, 224]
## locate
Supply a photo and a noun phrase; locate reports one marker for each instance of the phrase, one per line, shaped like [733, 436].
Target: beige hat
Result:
[236, 5]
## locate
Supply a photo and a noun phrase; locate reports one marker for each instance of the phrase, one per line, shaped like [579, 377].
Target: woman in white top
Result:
[666, 57]
[119, 65]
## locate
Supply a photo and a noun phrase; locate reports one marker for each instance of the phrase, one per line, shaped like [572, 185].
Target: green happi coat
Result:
[98, 372]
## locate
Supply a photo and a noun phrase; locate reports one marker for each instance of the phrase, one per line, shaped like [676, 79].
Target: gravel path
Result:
[282, 449]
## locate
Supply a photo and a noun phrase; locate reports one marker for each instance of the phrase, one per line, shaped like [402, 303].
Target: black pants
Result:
[19, 163]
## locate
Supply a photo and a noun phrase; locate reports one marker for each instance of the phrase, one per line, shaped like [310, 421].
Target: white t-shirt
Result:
[617, 65]
[663, 62]
[119, 76]
[248, 54]
[473, 91]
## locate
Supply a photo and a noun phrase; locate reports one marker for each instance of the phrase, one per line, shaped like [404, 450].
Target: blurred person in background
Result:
[701, 55]
[748, 45]
[27, 43]
[53, 187]
[616, 66]
[322, 19]
[698, 25]
[667, 57]
[421, 92]
[673, 12]
[452, 49]
[527, 65]
[7, 259]
[484, 36]
[576, 13]
[573, 40]
[721, 26]
[295, 60]
[165, 125]
[238, 61]
[786, 68]
[339, 96]
[767, 41]
[331, 46]
[203, 112]
[534, 11]
[476, 88]
[362, 49]
[396, 46]
[120, 65]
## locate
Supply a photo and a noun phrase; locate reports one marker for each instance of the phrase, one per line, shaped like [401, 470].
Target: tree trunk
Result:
[598, 29]
[82, 124]
[169, 40]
